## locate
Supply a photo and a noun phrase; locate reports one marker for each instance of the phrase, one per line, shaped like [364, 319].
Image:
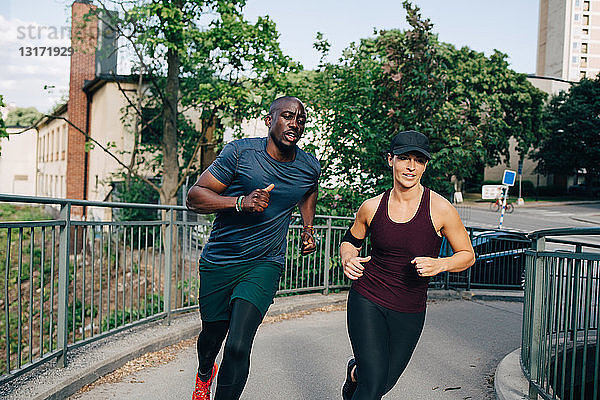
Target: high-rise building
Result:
[569, 39]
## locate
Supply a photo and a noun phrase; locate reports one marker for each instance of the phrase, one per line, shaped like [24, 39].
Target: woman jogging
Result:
[387, 300]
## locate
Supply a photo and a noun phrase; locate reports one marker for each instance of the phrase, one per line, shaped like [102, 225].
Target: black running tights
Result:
[240, 330]
[383, 341]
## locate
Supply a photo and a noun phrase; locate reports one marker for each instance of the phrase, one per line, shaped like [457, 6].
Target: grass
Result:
[11, 212]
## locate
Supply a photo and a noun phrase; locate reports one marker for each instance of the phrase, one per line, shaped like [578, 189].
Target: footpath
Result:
[92, 361]
[588, 217]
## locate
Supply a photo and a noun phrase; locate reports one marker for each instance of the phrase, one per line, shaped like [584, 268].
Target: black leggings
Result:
[383, 341]
[233, 373]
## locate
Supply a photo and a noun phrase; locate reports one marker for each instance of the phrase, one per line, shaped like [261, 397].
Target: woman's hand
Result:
[353, 267]
[427, 266]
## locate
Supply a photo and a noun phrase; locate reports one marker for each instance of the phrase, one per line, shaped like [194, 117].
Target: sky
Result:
[483, 25]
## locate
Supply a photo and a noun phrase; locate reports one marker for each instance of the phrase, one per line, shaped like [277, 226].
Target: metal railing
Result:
[500, 261]
[560, 349]
[68, 282]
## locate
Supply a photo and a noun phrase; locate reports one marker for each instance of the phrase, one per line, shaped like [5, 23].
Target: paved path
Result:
[304, 358]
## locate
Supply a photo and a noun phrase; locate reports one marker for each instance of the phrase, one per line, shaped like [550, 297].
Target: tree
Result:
[468, 104]
[368, 96]
[22, 116]
[571, 136]
[486, 104]
[197, 56]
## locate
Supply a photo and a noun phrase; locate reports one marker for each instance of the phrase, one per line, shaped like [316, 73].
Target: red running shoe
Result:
[202, 390]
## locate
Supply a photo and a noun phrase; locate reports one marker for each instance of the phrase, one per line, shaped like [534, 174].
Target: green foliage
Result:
[571, 125]
[487, 104]
[135, 190]
[22, 116]
[468, 104]
[152, 304]
[340, 201]
[75, 312]
[11, 212]
[201, 56]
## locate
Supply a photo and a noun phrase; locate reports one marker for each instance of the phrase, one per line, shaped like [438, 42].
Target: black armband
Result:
[349, 237]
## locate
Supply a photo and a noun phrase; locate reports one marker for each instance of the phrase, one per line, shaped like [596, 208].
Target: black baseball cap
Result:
[407, 141]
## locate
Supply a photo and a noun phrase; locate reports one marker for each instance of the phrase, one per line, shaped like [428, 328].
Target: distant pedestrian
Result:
[253, 186]
[387, 300]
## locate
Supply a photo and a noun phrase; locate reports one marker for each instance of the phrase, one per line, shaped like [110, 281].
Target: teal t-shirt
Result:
[244, 165]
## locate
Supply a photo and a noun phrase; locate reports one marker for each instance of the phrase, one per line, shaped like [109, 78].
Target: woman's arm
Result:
[351, 262]
[451, 227]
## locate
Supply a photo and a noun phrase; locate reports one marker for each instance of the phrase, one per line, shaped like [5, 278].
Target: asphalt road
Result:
[531, 218]
[461, 346]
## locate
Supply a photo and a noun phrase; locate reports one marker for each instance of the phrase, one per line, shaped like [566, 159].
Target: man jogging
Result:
[253, 187]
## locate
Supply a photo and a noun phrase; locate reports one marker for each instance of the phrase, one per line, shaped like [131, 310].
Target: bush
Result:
[551, 190]
[137, 191]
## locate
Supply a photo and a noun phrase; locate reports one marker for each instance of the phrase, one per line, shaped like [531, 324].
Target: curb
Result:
[509, 381]
[94, 372]
[588, 220]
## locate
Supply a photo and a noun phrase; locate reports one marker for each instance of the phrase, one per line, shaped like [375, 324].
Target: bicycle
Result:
[497, 205]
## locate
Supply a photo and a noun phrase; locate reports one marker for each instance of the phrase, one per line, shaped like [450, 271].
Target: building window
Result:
[574, 45]
[574, 60]
[586, 19]
[584, 48]
[576, 3]
[151, 126]
[583, 62]
[586, 5]
[576, 17]
[582, 75]
[64, 141]
[585, 31]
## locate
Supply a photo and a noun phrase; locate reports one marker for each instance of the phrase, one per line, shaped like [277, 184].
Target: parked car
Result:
[500, 259]
[584, 189]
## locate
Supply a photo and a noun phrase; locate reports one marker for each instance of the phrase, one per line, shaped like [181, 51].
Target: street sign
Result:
[491, 192]
[508, 178]
[520, 168]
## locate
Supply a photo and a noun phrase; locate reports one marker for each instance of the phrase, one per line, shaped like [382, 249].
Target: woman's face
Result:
[408, 168]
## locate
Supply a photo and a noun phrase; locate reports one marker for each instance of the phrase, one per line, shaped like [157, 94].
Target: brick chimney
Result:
[83, 67]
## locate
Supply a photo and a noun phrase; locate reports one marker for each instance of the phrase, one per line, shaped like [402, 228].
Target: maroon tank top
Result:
[389, 279]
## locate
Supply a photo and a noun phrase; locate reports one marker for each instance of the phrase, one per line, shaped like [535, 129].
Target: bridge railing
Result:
[560, 352]
[68, 281]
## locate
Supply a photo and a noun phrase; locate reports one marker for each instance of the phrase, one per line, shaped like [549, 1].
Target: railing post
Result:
[576, 283]
[537, 297]
[470, 270]
[168, 262]
[63, 283]
[327, 255]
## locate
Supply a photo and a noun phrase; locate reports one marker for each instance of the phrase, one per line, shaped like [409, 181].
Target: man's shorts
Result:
[256, 282]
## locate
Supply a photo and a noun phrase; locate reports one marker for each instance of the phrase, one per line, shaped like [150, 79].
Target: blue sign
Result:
[508, 178]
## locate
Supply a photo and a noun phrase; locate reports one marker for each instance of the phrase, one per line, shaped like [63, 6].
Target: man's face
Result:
[286, 123]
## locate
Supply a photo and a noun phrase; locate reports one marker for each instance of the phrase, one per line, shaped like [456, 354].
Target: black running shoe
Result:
[349, 387]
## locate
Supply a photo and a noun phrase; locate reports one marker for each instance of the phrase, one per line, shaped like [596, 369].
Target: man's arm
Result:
[205, 197]
[307, 206]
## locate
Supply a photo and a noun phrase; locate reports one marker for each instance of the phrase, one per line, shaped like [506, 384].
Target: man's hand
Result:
[257, 200]
[308, 241]
[427, 266]
[353, 267]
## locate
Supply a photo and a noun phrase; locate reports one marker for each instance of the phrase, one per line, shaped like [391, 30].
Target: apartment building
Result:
[569, 39]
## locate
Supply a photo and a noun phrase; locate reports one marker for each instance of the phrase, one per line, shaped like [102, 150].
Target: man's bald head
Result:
[278, 102]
